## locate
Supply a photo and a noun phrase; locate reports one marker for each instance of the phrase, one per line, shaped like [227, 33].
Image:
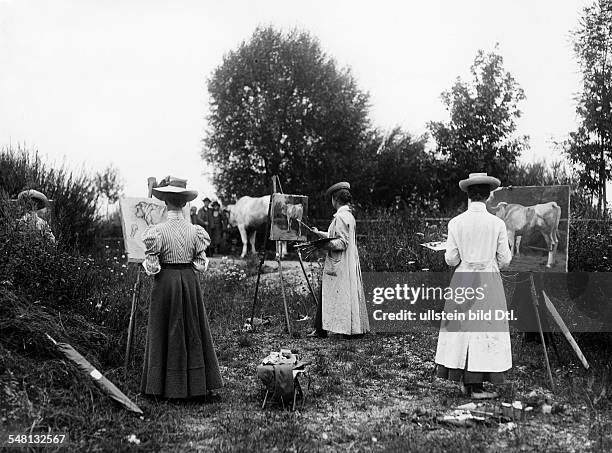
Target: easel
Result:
[536, 290]
[152, 182]
[275, 182]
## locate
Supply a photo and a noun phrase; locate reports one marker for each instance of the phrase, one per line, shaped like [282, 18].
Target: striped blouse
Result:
[175, 241]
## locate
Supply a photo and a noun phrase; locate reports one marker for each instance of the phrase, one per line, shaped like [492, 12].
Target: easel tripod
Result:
[275, 184]
[537, 293]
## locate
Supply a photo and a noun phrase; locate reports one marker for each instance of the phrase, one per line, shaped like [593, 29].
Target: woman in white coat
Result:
[342, 307]
[475, 351]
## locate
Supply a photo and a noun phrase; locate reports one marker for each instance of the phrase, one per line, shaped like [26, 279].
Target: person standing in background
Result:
[203, 214]
[37, 205]
[193, 215]
[215, 227]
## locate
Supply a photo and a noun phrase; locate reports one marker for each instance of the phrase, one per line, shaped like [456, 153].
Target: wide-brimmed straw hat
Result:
[32, 194]
[336, 187]
[171, 185]
[479, 178]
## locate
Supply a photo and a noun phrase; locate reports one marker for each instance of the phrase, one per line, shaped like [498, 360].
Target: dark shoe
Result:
[353, 337]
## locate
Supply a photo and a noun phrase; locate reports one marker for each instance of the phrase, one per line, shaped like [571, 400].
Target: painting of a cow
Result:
[521, 220]
[536, 219]
[287, 214]
[293, 212]
[151, 213]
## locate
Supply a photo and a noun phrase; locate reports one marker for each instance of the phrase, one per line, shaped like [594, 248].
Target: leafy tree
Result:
[109, 183]
[480, 136]
[589, 148]
[280, 106]
[402, 166]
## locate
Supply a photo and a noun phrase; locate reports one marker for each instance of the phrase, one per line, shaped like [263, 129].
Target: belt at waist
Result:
[176, 265]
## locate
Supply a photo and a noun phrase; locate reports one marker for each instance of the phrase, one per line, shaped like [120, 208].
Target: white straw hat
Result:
[479, 178]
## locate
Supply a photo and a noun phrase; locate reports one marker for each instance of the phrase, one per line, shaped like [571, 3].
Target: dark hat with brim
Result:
[32, 194]
[479, 178]
[336, 187]
[174, 186]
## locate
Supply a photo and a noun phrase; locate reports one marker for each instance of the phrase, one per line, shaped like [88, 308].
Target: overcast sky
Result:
[124, 82]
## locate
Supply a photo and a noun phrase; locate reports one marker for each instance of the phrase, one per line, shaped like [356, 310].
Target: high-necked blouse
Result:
[175, 241]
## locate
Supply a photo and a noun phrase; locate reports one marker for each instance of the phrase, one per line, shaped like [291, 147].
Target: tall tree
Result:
[109, 183]
[589, 148]
[480, 135]
[402, 166]
[280, 106]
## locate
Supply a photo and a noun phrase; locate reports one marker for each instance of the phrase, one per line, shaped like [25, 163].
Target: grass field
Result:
[377, 393]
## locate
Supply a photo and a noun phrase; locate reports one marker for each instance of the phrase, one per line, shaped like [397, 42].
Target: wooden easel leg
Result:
[261, 262]
[265, 399]
[132, 324]
[551, 339]
[534, 299]
[312, 293]
[263, 257]
[282, 281]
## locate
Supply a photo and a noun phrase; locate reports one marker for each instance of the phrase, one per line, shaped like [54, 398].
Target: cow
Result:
[248, 214]
[151, 213]
[520, 220]
[293, 211]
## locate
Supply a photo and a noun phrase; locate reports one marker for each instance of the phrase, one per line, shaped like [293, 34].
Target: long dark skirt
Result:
[180, 359]
[470, 377]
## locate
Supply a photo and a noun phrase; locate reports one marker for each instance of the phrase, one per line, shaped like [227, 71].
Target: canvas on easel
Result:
[287, 212]
[537, 223]
[137, 214]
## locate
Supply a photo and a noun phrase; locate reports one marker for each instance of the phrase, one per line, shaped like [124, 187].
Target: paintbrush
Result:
[307, 227]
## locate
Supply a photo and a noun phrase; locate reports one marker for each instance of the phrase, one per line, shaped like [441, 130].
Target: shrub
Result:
[590, 246]
[390, 243]
[50, 275]
[75, 217]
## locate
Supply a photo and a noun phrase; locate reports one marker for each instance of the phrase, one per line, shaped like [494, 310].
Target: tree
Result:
[109, 183]
[480, 136]
[589, 148]
[402, 166]
[280, 106]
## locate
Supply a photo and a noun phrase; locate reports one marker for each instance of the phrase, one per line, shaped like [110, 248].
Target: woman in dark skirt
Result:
[180, 359]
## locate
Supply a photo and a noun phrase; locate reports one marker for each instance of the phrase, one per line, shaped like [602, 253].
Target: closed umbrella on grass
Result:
[104, 384]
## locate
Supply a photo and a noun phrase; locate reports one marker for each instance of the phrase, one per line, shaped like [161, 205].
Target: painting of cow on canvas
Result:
[137, 214]
[536, 219]
[287, 214]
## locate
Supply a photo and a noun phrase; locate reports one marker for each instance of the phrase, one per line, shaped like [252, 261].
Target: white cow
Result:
[293, 211]
[520, 220]
[248, 214]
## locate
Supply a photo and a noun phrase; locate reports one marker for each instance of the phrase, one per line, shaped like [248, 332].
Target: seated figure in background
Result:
[37, 205]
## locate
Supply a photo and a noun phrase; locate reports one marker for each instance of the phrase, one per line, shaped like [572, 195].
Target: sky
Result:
[92, 83]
